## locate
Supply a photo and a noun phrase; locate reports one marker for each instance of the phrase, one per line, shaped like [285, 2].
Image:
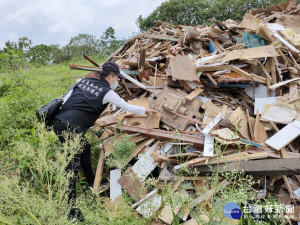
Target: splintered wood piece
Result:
[226, 134]
[239, 120]
[260, 135]
[240, 157]
[99, 171]
[212, 124]
[132, 185]
[194, 94]
[260, 167]
[183, 68]
[178, 199]
[212, 80]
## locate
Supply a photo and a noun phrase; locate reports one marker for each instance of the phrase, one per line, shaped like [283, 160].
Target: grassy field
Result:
[32, 160]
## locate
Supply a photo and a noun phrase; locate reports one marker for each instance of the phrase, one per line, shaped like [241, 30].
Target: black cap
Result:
[113, 67]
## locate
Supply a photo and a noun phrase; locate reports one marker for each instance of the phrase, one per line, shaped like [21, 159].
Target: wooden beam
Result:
[99, 171]
[257, 167]
[164, 135]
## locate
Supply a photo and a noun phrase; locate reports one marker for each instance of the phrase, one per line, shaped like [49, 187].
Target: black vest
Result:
[84, 106]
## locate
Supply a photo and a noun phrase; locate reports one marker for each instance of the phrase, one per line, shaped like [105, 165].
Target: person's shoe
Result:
[76, 214]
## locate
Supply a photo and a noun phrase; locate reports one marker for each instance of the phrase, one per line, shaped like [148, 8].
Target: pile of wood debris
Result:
[232, 84]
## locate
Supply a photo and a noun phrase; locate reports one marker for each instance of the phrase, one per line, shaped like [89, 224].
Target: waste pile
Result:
[228, 99]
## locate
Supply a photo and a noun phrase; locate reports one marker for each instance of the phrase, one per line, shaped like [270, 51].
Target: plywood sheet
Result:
[285, 135]
[250, 53]
[183, 68]
[278, 114]
[152, 121]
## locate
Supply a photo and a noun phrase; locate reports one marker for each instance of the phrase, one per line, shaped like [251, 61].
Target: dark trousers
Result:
[82, 158]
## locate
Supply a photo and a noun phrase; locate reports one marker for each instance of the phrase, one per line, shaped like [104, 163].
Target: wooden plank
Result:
[240, 157]
[208, 145]
[194, 94]
[250, 53]
[260, 135]
[261, 167]
[164, 135]
[115, 187]
[99, 171]
[289, 145]
[183, 68]
[212, 124]
[160, 37]
[212, 80]
[286, 135]
[274, 86]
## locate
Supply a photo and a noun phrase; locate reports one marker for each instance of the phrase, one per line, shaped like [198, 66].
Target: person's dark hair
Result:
[105, 73]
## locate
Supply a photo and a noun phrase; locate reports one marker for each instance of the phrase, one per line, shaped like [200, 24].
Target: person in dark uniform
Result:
[83, 105]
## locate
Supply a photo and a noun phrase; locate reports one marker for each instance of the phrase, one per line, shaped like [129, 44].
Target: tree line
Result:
[16, 55]
[196, 12]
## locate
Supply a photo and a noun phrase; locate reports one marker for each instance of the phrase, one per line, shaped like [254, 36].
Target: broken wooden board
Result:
[208, 145]
[165, 135]
[259, 133]
[239, 120]
[250, 53]
[149, 206]
[183, 68]
[106, 120]
[261, 167]
[115, 187]
[132, 185]
[178, 199]
[226, 134]
[286, 135]
[99, 171]
[151, 121]
[278, 114]
[239, 157]
[280, 84]
[251, 22]
[195, 93]
[212, 124]
[142, 101]
[261, 102]
[145, 165]
[171, 101]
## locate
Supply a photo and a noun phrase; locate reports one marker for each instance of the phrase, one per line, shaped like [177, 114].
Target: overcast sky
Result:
[56, 21]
